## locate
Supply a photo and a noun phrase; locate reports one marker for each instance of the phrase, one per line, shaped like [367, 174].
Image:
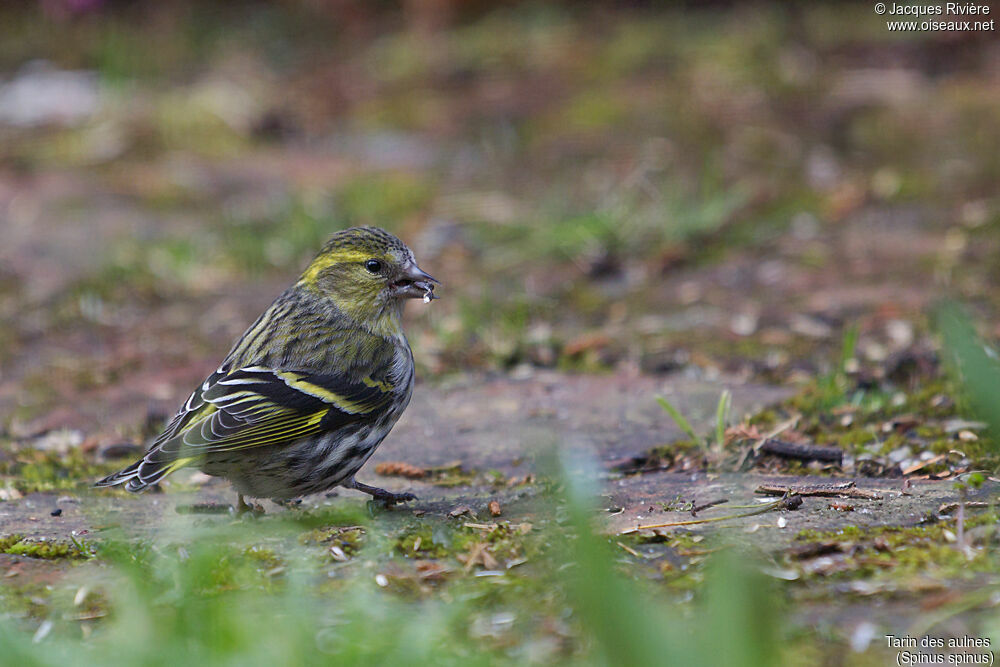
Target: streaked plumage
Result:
[313, 386]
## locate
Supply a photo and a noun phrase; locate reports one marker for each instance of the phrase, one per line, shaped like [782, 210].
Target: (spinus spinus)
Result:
[312, 388]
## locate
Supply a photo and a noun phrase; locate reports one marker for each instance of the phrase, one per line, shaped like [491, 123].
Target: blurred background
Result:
[706, 188]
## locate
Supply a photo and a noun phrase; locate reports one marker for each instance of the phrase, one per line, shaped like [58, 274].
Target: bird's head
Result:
[368, 273]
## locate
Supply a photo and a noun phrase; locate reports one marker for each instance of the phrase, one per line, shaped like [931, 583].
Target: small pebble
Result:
[56, 512]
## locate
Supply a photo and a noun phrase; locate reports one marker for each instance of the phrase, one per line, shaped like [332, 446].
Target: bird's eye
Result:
[373, 265]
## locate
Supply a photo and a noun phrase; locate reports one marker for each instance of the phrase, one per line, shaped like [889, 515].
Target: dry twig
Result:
[845, 490]
[791, 450]
[948, 508]
[785, 503]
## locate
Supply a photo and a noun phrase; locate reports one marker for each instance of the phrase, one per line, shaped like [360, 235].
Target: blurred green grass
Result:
[251, 593]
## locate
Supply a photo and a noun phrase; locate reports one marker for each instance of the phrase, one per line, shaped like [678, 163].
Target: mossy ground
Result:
[897, 553]
[17, 545]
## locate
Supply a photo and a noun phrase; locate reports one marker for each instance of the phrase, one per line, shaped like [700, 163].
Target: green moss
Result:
[677, 557]
[343, 514]
[892, 441]
[929, 431]
[764, 419]
[676, 447]
[855, 438]
[835, 409]
[423, 541]
[451, 476]
[8, 541]
[891, 552]
[17, 545]
[504, 540]
[942, 446]
[32, 601]
[32, 470]
[266, 558]
[844, 533]
[680, 539]
[896, 534]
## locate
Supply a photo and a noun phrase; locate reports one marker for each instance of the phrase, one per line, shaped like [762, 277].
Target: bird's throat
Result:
[382, 318]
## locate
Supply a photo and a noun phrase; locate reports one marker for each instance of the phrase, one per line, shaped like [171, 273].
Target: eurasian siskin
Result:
[312, 388]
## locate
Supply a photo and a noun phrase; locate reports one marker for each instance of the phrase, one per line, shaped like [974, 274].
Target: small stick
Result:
[788, 502]
[923, 464]
[712, 503]
[778, 430]
[791, 450]
[845, 490]
[948, 508]
[629, 549]
[480, 526]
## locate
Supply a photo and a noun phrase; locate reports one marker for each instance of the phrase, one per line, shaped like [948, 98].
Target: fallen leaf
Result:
[400, 469]
[841, 507]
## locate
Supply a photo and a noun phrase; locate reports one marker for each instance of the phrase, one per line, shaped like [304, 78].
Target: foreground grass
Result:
[309, 590]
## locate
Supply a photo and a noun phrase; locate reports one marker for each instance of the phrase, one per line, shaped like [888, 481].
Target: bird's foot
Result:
[242, 507]
[388, 497]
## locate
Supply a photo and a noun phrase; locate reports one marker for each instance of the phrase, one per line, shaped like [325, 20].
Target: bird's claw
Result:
[392, 498]
[242, 507]
[388, 497]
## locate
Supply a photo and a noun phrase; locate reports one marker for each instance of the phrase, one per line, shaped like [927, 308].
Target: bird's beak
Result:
[415, 283]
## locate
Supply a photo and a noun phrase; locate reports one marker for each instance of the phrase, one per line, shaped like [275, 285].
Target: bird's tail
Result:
[122, 476]
[144, 473]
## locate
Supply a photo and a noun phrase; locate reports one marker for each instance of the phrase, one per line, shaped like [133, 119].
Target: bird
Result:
[311, 388]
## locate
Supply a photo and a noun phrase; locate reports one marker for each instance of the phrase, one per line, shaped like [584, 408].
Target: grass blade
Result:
[678, 418]
[721, 416]
[977, 366]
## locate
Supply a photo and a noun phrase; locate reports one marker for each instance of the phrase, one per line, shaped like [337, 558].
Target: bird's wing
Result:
[191, 408]
[257, 406]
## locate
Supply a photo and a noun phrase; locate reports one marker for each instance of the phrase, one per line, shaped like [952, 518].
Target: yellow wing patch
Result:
[296, 381]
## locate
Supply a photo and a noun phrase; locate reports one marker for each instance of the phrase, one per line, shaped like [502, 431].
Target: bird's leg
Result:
[380, 494]
[242, 507]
